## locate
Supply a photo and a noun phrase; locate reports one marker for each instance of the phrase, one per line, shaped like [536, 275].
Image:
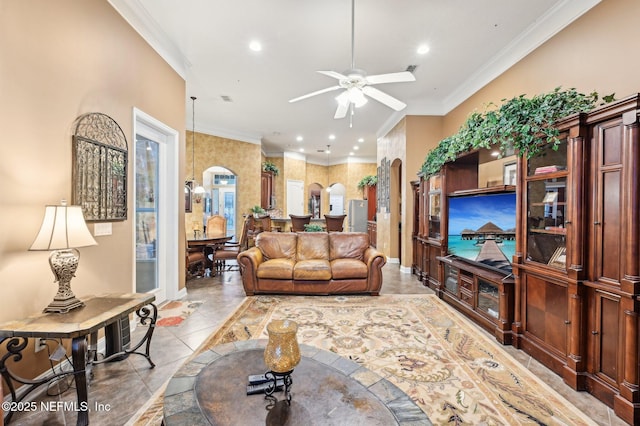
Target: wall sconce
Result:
[198, 193]
[63, 230]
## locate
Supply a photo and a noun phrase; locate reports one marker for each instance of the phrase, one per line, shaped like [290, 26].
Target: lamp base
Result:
[63, 265]
[62, 307]
[275, 382]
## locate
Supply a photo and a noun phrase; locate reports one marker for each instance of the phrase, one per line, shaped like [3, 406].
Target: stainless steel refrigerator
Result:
[357, 216]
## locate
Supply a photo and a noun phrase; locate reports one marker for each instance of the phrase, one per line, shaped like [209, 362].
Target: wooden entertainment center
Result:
[573, 299]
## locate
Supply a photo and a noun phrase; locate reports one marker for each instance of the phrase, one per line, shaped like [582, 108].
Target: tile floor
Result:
[121, 388]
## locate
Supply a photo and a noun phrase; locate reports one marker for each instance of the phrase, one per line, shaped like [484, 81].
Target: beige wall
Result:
[58, 60]
[241, 158]
[596, 52]
[405, 146]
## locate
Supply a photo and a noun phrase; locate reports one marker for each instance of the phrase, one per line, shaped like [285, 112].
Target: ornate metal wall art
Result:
[382, 188]
[100, 168]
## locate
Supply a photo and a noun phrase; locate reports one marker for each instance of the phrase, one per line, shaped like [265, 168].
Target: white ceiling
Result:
[207, 43]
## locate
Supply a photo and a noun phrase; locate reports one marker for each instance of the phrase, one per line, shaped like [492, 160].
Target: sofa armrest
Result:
[249, 260]
[375, 260]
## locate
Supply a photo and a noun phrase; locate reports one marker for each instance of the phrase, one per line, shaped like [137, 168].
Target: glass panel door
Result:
[146, 215]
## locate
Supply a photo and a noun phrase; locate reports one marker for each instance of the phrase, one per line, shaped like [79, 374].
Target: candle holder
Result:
[281, 355]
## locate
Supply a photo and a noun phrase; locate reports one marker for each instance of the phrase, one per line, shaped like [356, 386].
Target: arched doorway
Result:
[395, 209]
[315, 200]
[220, 195]
[336, 193]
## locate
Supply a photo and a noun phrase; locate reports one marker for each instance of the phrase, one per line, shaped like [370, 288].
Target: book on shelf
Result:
[549, 169]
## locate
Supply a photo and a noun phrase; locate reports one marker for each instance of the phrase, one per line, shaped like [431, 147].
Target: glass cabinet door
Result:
[435, 198]
[547, 208]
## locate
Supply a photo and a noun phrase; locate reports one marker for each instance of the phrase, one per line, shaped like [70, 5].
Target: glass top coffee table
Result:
[327, 390]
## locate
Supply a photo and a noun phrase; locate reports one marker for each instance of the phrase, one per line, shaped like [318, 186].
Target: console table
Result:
[77, 325]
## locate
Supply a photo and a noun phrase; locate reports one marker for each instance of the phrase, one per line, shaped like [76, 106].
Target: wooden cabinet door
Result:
[266, 190]
[604, 337]
[608, 206]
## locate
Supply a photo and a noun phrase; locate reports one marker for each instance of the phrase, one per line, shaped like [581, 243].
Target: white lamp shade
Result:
[199, 190]
[63, 227]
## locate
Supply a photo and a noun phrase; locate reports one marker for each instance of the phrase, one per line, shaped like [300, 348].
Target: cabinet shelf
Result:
[556, 203]
[554, 231]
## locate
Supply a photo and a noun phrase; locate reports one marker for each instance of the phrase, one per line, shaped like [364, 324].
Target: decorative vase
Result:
[282, 353]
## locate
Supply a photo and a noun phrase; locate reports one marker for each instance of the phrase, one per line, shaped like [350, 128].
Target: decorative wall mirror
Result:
[187, 196]
[99, 168]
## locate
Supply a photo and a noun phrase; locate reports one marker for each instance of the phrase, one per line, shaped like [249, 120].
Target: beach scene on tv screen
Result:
[482, 229]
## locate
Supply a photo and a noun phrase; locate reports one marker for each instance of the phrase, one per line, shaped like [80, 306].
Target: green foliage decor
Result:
[520, 123]
[312, 227]
[257, 210]
[370, 180]
[268, 166]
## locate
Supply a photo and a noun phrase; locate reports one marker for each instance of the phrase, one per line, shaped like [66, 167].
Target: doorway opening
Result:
[395, 209]
[315, 200]
[220, 196]
[155, 239]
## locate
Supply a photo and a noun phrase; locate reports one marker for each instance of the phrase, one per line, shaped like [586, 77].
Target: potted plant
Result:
[370, 180]
[268, 166]
[521, 124]
[257, 211]
[312, 227]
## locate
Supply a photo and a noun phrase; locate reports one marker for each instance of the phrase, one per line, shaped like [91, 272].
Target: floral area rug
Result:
[174, 312]
[454, 373]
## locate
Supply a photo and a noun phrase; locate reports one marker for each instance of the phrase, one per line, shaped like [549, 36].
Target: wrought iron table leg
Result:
[79, 359]
[148, 314]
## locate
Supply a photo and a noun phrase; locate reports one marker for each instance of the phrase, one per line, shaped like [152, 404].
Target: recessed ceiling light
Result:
[351, 153]
[332, 137]
[301, 149]
[356, 147]
[423, 49]
[361, 140]
[255, 46]
[299, 138]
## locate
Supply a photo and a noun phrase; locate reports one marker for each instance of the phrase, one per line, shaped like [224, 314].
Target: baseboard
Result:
[405, 269]
[181, 293]
[393, 260]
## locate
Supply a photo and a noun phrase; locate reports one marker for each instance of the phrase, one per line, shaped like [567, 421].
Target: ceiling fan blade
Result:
[318, 92]
[343, 105]
[395, 77]
[333, 74]
[383, 98]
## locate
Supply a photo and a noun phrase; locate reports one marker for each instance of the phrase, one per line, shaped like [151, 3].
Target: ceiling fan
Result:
[357, 84]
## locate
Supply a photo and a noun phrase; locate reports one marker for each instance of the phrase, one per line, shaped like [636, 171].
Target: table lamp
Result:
[63, 230]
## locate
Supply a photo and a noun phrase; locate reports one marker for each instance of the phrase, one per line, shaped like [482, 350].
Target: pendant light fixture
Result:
[198, 190]
[328, 164]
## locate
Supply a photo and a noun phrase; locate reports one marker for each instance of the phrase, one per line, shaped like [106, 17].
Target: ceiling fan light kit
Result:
[357, 85]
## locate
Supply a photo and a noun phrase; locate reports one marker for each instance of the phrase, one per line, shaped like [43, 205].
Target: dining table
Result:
[209, 244]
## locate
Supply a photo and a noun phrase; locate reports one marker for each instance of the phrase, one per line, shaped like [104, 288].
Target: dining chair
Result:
[231, 249]
[194, 260]
[335, 223]
[216, 225]
[298, 222]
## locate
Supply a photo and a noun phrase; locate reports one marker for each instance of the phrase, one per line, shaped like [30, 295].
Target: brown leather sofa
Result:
[312, 263]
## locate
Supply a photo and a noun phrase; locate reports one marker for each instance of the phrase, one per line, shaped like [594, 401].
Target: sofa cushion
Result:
[312, 270]
[277, 245]
[348, 245]
[277, 269]
[313, 245]
[348, 269]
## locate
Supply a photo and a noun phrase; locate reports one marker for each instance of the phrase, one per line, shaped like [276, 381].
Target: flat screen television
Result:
[482, 229]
